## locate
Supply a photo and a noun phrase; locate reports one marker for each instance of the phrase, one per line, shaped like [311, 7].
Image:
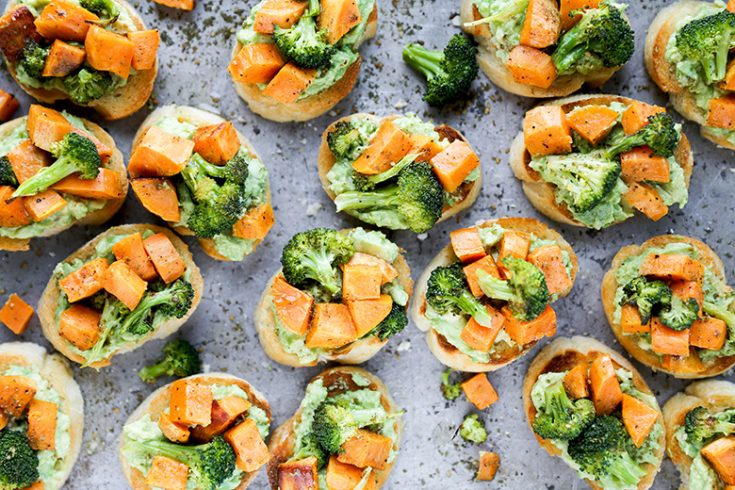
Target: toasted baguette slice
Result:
[562, 354]
[357, 352]
[689, 369]
[98, 217]
[542, 194]
[310, 107]
[716, 395]
[445, 352]
[199, 118]
[469, 190]
[118, 104]
[50, 298]
[158, 401]
[664, 73]
[54, 369]
[282, 441]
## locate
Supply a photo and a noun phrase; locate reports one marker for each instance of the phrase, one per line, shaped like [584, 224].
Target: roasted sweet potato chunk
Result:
[63, 58]
[546, 131]
[606, 393]
[16, 314]
[256, 63]
[479, 391]
[85, 281]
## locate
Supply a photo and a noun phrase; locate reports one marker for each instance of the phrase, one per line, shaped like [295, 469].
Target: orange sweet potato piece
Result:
[167, 473]
[131, 251]
[604, 384]
[256, 223]
[8, 105]
[365, 449]
[640, 164]
[250, 450]
[453, 164]
[177, 4]
[526, 332]
[12, 213]
[256, 63]
[387, 147]
[166, 259]
[592, 122]
[720, 453]
[485, 264]
[425, 147]
[479, 391]
[63, 58]
[575, 381]
[62, 19]
[85, 281]
[731, 8]
[299, 475]
[708, 333]
[293, 306]
[467, 244]
[549, 259]
[44, 204]
[4, 419]
[690, 364]
[16, 392]
[173, 431]
[338, 17]
[158, 195]
[729, 82]
[190, 402]
[341, 476]
[566, 7]
[217, 143]
[531, 66]
[635, 117]
[638, 418]
[482, 338]
[80, 326]
[722, 112]
[647, 200]
[361, 282]
[122, 282]
[108, 51]
[224, 413]
[281, 13]
[546, 131]
[27, 160]
[631, 322]
[331, 327]
[672, 267]
[105, 186]
[104, 151]
[46, 126]
[368, 313]
[289, 83]
[513, 244]
[542, 24]
[16, 314]
[42, 425]
[145, 47]
[389, 272]
[160, 154]
[689, 289]
[488, 466]
[16, 26]
[665, 340]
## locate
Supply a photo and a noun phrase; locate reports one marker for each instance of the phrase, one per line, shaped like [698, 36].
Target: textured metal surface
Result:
[194, 56]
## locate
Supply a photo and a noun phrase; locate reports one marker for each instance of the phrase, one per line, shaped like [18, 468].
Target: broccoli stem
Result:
[394, 170]
[494, 288]
[355, 200]
[154, 370]
[426, 61]
[626, 470]
[148, 302]
[719, 312]
[46, 177]
[470, 305]
[322, 265]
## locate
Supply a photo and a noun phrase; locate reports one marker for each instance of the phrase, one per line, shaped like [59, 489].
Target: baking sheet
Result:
[193, 58]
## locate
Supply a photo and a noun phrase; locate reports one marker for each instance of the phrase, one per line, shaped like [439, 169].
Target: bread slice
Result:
[716, 395]
[50, 298]
[283, 439]
[98, 217]
[118, 104]
[199, 118]
[158, 401]
[542, 194]
[562, 354]
[610, 286]
[54, 369]
[309, 107]
[445, 352]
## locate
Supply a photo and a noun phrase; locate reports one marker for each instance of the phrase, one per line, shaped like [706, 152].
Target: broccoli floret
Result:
[74, 154]
[450, 391]
[7, 175]
[310, 447]
[209, 464]
[394, 323]
[333, 424]
[33, 59]
[708, 41]
[600, 450]
[449, 73]
[180, 359]
[680, 314]
[560, 417]
[660, 134]
[235, 171]
[448, 292]
[316, 255]
[18, 461]
[171, 302]
[416, 200]
[701, 425]
[719, 311]
[526, 291]
[473, 430]
[603, 32]
[646, 295]
[104, 9]
[304, 44]
[345, 141]
[580, 144]
[87, 85]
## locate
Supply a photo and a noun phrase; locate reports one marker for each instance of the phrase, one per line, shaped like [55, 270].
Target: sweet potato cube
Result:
[341, 476]
[224, 413]
[104, 151]
[16, 392]
[145, 47]
[513, 244]
[4, 419]
[166, 259]
[12, 213]
[731, 8]
[361, 282]
[453, 164]
[425, 147]
[338, 17]
[160, 154]
[604, 384]
[177, 4]
[479, 391]
[647, 200]
[729, 82]
[46, 126]
[672, 267]
[638, 418]
[631, 322]
[387, 147]
[689, 289]
[85, 281]
[131, 251]
[549, 259]
[190, 402]
[566, 7]
[105, 186]
[389, 272]
[173, 431]
[281, 13]
[250, 450]
[108, 51]
[485, 264]
[546, 131]
[158, 195]
[62, 19]
[488, 466]
[289, 83]
[217, 143]
[482, 338]
[592, 122]
[256, 223]
[640, 164]
[722, 112]
[63, 58]
[44, 204]
[467, 244]
[256, 63]
[293, 306]
[575, 381]
[27, 160]
[331, 327]
[42, 425]
[708, 333]
[531, 66]
[80, 326]
[365, 449]
[8, 105]
[299, 475]
[122, 282]
[16, 314]
[720, 453]
[16, 26]
[635, 117]
[368, 313]
[167, 473]
[525, 332]
[542, 24]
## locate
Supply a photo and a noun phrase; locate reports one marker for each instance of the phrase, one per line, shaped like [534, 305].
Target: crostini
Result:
[587, 405]
[294, 60]
[195, 171]
[56, 171]
[594, 160]
[41, 417]
[398, 172]
[484, 300]
[129, 285]
[345, 434]
[94, 53]
[539, 48]
[339, 296]
[204, 432]
[700, 434]
[686, 53]
[669, 305]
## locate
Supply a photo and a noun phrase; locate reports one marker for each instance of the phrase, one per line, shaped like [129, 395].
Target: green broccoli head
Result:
[450, 391]
[304, 43]
[394, 323]
[708, 41]
[174, 301]
[473, 429]
[701, 425]
[104, 9]
[526, 291]
[332, 426]
[680, 314]
[18, 461]
[33, 59]
[87, 85]
[449, 73]
[235, 171]
[660, 134]
[647, 296]
[448, 292]
[346, 141]
[561, 418]
[7, 175]
[180, 359]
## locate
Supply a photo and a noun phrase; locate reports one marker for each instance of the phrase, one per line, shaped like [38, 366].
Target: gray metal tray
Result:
[193, 60]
